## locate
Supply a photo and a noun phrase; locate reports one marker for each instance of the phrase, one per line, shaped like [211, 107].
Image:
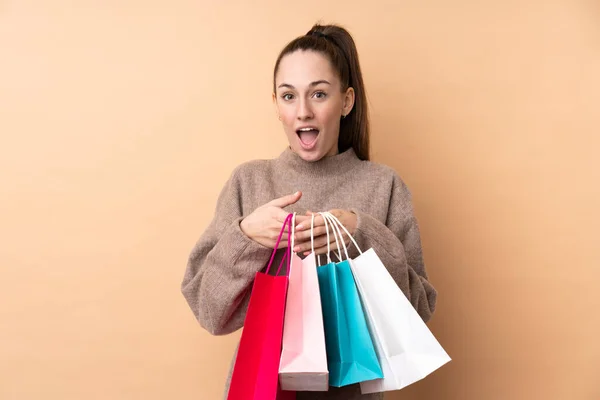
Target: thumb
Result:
[286, 200]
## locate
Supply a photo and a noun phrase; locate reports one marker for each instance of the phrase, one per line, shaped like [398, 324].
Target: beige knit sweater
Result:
[222, 265]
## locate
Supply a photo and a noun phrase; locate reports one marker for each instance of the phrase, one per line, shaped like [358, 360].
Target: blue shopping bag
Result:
[351, 356]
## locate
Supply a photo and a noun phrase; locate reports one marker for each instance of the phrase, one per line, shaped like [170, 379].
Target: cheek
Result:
[330, 116]
[288, 124]
[287, 115]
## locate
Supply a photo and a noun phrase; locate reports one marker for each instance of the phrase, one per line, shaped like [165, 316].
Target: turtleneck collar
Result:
[338, 163]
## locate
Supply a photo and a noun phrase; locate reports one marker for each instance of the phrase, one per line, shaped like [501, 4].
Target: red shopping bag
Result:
[256, 369]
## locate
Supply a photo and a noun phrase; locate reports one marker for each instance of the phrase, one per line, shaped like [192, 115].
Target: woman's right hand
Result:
[265, 223]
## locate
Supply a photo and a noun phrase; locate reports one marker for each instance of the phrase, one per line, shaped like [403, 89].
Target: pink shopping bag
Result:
[303, 365]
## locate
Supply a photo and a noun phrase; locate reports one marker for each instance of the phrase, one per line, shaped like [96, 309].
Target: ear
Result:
[348, 101]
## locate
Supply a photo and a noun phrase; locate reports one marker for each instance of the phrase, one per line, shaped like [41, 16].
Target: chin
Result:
[310, 156]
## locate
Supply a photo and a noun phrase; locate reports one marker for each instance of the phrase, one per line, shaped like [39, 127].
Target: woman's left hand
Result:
[302, 236]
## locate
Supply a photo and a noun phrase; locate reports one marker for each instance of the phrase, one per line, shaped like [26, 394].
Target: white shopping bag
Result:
[406, 348]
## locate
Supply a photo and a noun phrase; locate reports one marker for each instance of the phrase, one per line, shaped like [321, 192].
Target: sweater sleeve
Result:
[397, 242]
[221, 267]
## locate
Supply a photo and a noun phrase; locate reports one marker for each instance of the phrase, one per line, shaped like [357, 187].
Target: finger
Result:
[323, 249]
[282, 245]
[319, 221]
[304, 236]
[301, 219]
[320, 241]
[319, 252]
[286, 200]
[281, 216]
[306, 244]
[302, 239]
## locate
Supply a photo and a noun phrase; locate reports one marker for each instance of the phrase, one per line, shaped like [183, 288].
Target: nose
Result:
[304, 110]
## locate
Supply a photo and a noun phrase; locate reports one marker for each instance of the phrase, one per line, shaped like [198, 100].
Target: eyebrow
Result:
[315, 83]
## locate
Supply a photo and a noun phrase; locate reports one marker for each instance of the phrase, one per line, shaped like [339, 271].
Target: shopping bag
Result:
[351, 355]
[406, 348]
[303, 365]
[255, 372]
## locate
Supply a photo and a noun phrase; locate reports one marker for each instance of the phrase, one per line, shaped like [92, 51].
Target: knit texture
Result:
[224, 261]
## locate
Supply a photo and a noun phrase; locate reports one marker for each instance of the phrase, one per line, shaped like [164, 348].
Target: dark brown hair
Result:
[337, 45]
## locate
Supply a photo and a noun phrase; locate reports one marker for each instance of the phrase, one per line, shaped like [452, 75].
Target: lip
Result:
[307, 126]
[313, 144]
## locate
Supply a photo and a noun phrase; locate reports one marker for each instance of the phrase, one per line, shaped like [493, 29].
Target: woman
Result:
[320, 99]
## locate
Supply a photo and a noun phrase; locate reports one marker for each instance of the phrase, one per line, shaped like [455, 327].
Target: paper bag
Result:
[255, 372]
[351, 356]
[303, 364]
[406, 348]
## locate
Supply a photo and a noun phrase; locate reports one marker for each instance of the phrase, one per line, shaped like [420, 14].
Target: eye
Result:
[287, 96]
[320, 95]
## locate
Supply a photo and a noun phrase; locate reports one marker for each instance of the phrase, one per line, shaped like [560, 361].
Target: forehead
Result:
[302, 67]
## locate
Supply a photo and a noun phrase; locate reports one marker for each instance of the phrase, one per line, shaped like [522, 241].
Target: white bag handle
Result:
[312, 233]
[336, 235]
[328, 245]
[312, 239]
[333, 230]
[338, 223]
[293, 232]
[334, 223]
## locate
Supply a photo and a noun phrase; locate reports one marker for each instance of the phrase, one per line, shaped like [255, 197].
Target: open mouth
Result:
[308, 136]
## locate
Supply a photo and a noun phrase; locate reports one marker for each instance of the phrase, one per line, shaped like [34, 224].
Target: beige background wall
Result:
[120, 121]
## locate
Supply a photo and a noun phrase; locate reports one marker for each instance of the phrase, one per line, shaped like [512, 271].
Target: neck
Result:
[336, 163]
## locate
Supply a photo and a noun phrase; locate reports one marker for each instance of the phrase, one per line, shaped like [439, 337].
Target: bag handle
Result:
[339, 224]
[287, 256]
[328, 245]
[312, 239]
[291, 242]
[293, 238]
[325, 219]
[337, 232]
[337, 235]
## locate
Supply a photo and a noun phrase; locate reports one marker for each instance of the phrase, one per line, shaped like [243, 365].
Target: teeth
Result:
[306, 129]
